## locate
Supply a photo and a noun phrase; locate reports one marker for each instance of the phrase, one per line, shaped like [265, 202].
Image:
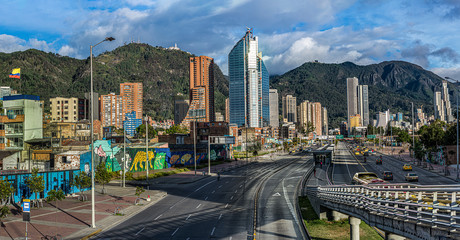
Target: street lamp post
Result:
[209, 154]
[124, 153]
[457, 178]
[413, 132]
[194, 143]
[147, 148]
[93, 213]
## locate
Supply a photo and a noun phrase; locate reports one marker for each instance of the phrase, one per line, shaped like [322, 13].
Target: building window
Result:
[64, 159]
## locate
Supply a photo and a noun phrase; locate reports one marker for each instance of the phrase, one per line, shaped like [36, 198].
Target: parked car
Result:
[407, 167]
[387, 175]
[411, 177]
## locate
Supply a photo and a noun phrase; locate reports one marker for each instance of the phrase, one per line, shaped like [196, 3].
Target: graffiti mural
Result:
[103, 151]
[185, 158]
[157, 159]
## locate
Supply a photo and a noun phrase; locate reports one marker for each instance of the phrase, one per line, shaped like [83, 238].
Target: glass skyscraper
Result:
[249, 86]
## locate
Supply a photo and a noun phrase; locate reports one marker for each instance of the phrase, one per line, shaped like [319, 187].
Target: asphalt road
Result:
[211, 209]
[346, 166]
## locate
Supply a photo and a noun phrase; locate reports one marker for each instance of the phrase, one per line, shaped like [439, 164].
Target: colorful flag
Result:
[16, 73]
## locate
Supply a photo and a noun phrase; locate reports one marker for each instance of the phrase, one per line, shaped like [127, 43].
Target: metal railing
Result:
[434, 205]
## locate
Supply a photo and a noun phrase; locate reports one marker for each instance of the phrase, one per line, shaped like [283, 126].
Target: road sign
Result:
[339, 137]
[371, 136]
[26, 205]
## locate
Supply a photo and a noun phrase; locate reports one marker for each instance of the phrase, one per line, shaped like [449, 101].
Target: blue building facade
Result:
[131, 123]
[248, 84]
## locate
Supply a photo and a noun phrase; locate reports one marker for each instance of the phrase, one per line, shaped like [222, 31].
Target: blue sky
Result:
[291, 32]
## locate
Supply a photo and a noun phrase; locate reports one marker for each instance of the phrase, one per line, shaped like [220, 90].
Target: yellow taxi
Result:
[407, 167]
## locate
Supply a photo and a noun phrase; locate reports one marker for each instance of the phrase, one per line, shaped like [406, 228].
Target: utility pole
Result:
[124, 154]
[147, 148]
[413, 131]
[209, 155]
[194, 142]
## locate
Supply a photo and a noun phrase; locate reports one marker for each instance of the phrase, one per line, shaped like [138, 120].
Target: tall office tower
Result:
[201, 107]
[446, 103]
[111, 110]
[325, 121]
[438, 107]
[363, 104]
[180, 109]
[274, 108]
[316, 118]
[290, 108]
[132, 95]
[352, 98]
[227, 110]
[248, 84]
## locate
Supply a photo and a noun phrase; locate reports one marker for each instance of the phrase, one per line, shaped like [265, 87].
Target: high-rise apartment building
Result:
[352, 98]
[325, 121]
[248, 83]
[310, 113]
[111, 106]
[363, 104]
[289, 108]
[227, 110]
[201, 107]
[132, 95]
[69, 109]
[442, 107]
[274, 108]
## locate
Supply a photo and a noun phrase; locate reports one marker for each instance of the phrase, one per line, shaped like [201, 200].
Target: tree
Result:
[35, 183]
[177, 129]
[308, 128]
[403, 136]
[433, 135]
[102, 176]
[6, 189]
[419, 152]
[141, 131]
[451, 135]
[139, 191]
[56, 196]
[82, 181]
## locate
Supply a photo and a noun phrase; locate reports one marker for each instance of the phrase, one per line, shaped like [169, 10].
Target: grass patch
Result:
[323, 229]
[162, 174]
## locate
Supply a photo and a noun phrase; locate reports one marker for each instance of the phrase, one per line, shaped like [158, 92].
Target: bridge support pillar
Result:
[337, 216]
[354, 228]
[392, 236]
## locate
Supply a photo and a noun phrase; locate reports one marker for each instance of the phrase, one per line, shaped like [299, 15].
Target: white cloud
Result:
[453, 72]
[10, 43]
[67, 50]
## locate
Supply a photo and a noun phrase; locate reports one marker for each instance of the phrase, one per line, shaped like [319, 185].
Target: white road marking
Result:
[140, 231]
[226, 182]
[198, 205]
[213, 229]
[241, 185]
[172, 206]
[219, 186]
[198, 189]
[230, 238]
[220, 216]
[291, 208]
[231, 198]
[177, 229]
[158, 216]
[236, 191]
[214, 191]
[206, 198]
[226, 205]
[188, 238]
[188, 217]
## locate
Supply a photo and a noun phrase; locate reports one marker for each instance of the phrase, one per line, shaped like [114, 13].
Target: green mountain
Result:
[392, 85]
[164, 73]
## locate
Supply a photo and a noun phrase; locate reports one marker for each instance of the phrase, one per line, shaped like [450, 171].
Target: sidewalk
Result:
[405, 157]
[72, 218]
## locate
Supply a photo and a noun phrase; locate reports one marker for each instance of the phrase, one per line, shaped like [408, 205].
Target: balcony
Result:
[11, 118]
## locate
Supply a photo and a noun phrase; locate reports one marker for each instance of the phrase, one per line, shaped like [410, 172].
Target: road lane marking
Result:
[231, 198]
[172, 206]
[177, 229]
[213, 229]
[188, 238]
[291, 208]
[206, 198]
[230, 238]
[226, 205]
[214, 191]
[219, 186]
[198, 205]
[220, 216]
[226, 182]
[198, 189]
[241, 185]
[188, 217]
[158, 216]
[236, 191]
[140, 231]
